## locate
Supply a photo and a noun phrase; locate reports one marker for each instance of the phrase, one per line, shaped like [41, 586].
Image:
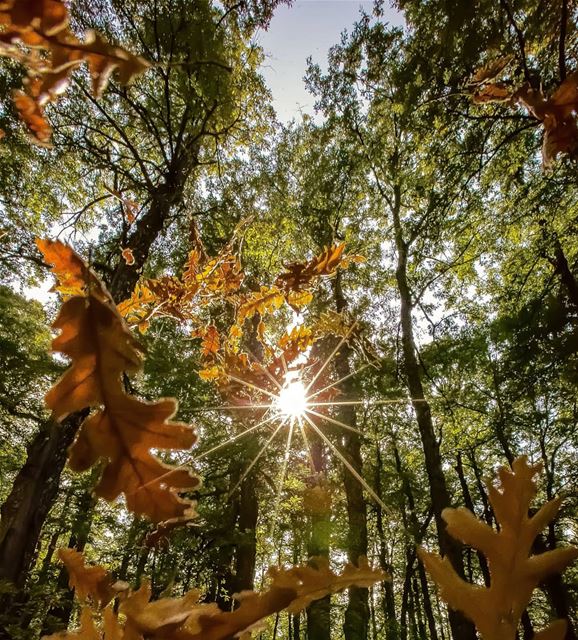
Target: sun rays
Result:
[294, 404]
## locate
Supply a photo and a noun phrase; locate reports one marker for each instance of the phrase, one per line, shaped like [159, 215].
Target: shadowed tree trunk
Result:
[318, 612]
[462, 629]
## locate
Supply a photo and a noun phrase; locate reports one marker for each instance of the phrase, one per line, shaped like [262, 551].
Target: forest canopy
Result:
[309, 379]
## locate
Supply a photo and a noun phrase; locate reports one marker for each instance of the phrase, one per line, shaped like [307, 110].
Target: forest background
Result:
[413, 245]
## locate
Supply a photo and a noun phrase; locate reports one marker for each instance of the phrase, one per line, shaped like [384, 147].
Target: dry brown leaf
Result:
[128, 256]
[92, 582]
[33, 26]
[301, 274]
[491, 70]
[497, 609]
[123, 429]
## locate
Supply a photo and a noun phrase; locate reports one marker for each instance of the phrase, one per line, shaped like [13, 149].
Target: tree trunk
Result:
[462, 629]
[416, 529]
[318, 613]
[388, 603]
[33, 494]
[59, 615]
[356, 622]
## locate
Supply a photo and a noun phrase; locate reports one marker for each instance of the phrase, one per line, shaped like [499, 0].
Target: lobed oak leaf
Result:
[263, 302]
[74, 276]
[136, 309]
[92, 582]
[51, 51]
[153, 617]
[124, 429]
[496, 610]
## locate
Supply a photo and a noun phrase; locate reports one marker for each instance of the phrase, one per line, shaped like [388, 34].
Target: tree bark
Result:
[356, 623]
[318, 613]
[462, 629]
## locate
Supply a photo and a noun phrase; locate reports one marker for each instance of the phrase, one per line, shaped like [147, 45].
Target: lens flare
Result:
[292, 399]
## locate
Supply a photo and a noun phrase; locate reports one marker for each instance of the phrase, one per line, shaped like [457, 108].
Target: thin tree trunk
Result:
[356, 623]
[388, 600]
[462, 629]
[318, 613]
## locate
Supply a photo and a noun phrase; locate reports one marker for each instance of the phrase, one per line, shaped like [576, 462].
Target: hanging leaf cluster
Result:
[497, 609]
[555, 112]
[123, 429]
[37, 34]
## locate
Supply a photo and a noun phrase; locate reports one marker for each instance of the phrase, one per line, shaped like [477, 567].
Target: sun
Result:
[292, 399]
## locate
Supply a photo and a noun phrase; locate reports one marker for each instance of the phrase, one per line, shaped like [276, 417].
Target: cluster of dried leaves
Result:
[37, 34]
[206, 280]
[122, 429]
[497, 609]
[556, 112]
[185, 618]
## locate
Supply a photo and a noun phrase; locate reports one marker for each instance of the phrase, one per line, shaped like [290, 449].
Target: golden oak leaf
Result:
[185, 619]
[299, 299]
[92, 582]
[496, 610]
[263, 302]
[136, 308]
[211, 341]
[123, 429]
[300, 274]
[73, 274]
[152, 617]
[211, 373]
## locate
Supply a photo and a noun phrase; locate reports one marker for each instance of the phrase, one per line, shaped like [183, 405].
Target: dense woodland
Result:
[409, 257]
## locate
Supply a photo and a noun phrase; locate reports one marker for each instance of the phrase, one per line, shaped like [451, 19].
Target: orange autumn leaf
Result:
[123, 429]
[73, 275]
[33, 26]
[88, 581]
[128, 256]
